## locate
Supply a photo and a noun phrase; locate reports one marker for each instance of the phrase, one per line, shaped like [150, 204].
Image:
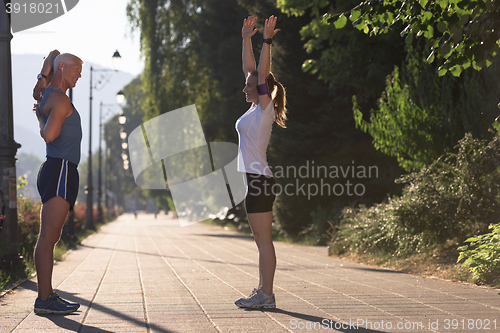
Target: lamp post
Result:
[123, 135]
[89, 224]
[119, 99]
[8, 149]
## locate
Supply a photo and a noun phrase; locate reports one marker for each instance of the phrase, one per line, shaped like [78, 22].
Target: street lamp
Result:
[123, 135]
[8, 149]
[119, 99]
[89, 224]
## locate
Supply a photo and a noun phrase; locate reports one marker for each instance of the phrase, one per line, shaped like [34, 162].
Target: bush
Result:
[482, 256]
[29, 226]
[455, 197]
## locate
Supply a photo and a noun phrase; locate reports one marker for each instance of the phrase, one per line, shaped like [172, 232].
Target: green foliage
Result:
[29, 226]
[482, 256]
[421, 116]
[205, 69]
[186, 48]
[454, 197]
[323, 221]
[21, 183]
[340, 57]
[462, 34]
[189, 53]
[321, 127]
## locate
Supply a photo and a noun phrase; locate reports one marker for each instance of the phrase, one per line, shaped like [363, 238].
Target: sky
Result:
[92, 30]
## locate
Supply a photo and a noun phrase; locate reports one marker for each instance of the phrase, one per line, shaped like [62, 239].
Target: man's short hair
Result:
[67, 58]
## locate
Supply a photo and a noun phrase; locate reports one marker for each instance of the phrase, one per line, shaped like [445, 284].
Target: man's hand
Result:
[39, 89]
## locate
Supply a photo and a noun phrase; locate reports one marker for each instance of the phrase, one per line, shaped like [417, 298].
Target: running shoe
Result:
[257, 300]
[56, 305]
[65, 301]
[254, 291]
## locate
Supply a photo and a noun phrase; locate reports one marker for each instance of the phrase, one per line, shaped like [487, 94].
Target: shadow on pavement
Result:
[72, 325]
[301, 320]
[379, 270]
[163, 256]
[228, 236]
[29, 285]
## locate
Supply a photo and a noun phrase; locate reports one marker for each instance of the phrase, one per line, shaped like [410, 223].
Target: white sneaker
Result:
[254, 291]
[257, 300]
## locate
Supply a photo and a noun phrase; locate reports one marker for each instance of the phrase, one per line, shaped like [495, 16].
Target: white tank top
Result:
[254, 131]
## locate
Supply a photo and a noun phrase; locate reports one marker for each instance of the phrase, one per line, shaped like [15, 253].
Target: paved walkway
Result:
[150, 275]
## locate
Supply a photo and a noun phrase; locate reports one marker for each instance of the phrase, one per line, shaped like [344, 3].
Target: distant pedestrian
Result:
[254, 129]
[58, 180]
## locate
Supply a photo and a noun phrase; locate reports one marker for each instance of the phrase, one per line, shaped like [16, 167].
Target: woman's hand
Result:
[269, 27]
[248, 27]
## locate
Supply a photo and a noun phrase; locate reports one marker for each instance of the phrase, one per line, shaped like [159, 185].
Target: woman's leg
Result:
[261, 225]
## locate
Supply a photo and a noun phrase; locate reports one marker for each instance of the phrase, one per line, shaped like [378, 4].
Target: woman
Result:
[254, 129]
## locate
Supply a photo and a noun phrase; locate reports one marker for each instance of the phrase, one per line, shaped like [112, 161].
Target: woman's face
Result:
[250, 89]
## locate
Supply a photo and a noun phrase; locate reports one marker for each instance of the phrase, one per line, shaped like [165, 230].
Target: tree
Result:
[462, 33]
[204, 67]
[320, 128]
[421, 116]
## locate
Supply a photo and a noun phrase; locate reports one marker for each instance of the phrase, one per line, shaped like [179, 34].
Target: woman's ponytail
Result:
[279, 100]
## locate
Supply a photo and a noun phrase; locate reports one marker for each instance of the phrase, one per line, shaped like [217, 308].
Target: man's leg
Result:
[53, 216]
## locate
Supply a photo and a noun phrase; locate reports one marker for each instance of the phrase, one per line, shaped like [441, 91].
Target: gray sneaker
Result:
[254, 291]
[257, 300]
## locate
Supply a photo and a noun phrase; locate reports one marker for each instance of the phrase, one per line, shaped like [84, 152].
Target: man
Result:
[58, 181]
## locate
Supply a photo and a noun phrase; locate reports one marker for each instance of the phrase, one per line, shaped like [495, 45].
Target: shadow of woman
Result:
[305, 321]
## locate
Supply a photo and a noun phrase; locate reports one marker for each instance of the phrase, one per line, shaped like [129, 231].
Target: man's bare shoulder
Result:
[58, 102]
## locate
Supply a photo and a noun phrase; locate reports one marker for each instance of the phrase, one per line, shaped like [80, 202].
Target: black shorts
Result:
[260, 195]
[58, 177]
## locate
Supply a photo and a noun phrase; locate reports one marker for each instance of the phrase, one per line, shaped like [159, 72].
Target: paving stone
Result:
[151, 275]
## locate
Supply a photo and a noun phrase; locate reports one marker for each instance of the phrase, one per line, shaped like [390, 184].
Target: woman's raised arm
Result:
[247, 32]
[265, 57]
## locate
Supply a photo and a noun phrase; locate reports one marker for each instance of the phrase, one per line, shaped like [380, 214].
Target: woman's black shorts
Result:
[58, 177]
[260, 195]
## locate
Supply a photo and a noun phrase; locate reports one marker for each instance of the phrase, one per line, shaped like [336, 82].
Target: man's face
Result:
[71, 73]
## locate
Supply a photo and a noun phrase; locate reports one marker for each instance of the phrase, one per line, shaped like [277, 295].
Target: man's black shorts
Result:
[58, 177]
[260, 195]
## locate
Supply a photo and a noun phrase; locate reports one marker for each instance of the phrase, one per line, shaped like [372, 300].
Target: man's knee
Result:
[50, 235]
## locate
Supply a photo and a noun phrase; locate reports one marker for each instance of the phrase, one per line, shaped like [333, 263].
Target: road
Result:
[151, 275]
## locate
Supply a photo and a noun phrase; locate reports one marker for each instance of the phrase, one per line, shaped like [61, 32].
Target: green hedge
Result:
[455, 197]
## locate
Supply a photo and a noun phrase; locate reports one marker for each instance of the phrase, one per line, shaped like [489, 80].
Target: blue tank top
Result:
[67, 144]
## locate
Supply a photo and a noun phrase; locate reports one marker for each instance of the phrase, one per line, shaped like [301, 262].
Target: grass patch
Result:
[440, 262]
